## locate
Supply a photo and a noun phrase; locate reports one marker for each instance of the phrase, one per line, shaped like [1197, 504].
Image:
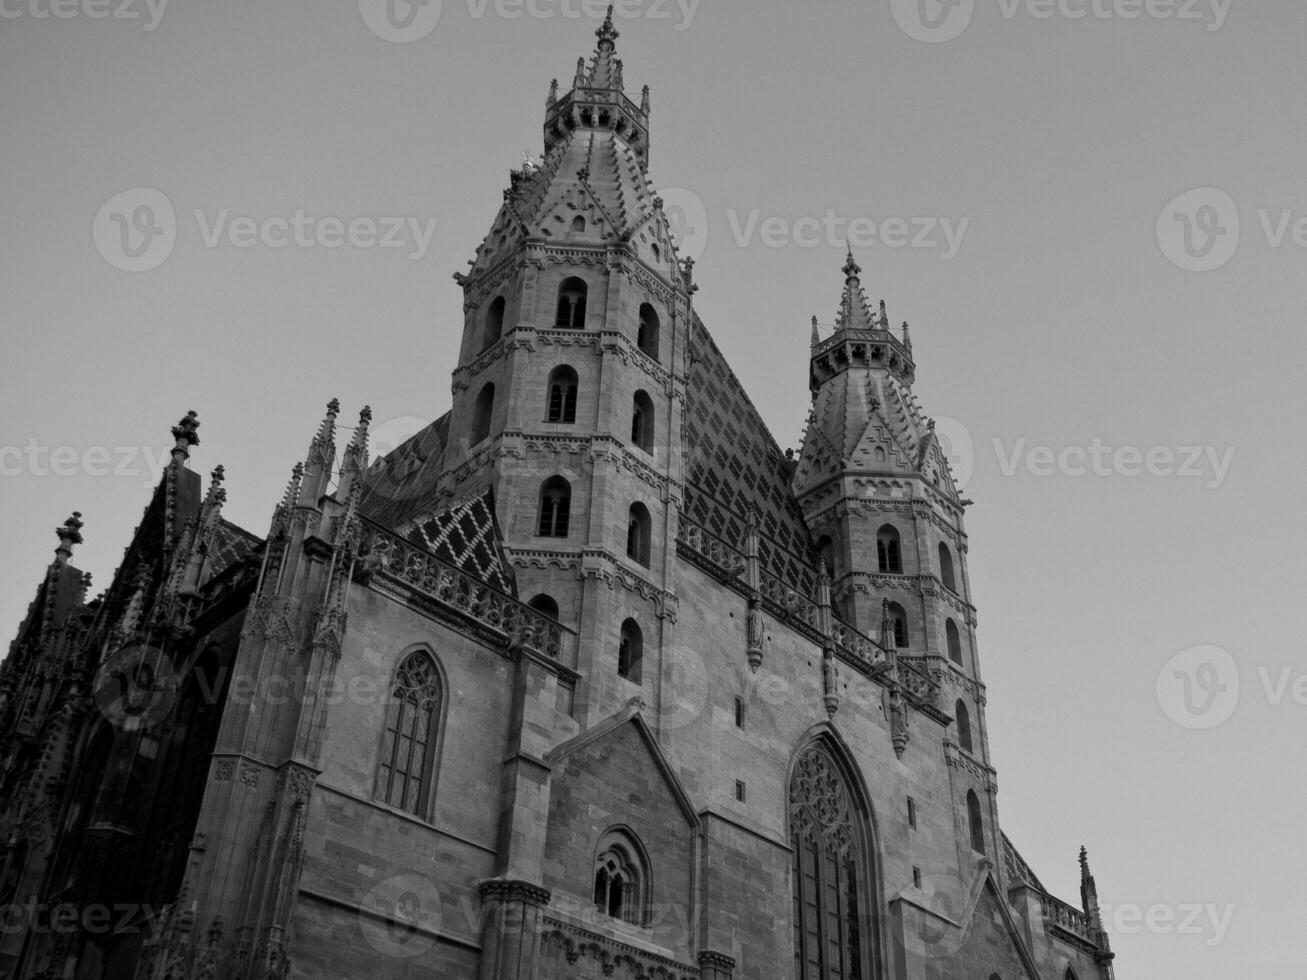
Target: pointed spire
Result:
[816, 338]
[184, 434]
[217, 495]
[907, 336]
[851, 269]
[69, 535]
[553, 94]
[579, 80]
[644, 100]
[884, 317]
[855, 314]
[607, 33]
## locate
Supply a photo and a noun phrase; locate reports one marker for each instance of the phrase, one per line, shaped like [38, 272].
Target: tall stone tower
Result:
[571, 380]
[878, 493]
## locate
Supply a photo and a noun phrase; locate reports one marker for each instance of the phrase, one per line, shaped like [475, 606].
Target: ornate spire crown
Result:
[862, 336]
[597, 100]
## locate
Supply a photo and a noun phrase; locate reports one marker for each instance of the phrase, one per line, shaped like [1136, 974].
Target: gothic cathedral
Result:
[587, 679]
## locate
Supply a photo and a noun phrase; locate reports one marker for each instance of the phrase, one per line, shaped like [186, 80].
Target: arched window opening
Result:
[954, 641]
[621, 881]
[963, 718]
[546, 605]
[647, 336]
[482, 412]
[555, 508]
[829, 872]
[563, 383]
[571, 304]
[638, 534]
[889, 555]
[898, 620]
[494, 326]
[946, 568]
[408, 751]
[642, 422]
[630, 651]
[976, 822]
[578, 224]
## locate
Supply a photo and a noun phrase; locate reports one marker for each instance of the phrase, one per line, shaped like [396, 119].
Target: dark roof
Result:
[1016, 867]
[732, 463]
[401, 487]
[230, 544]
[467, 536]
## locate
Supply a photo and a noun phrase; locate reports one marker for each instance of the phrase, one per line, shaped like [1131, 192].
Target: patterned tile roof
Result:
[401, 486]
[467, 536]
[1016, 867]
[732, 462]
[231, 544]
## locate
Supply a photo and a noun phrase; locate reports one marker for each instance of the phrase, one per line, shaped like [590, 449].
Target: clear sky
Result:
[1062, 335]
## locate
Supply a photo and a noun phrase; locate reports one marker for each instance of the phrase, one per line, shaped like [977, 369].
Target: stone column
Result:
[510, 931]
[715, 966]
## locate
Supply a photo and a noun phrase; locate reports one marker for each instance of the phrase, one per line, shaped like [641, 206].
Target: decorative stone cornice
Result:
[513, 890]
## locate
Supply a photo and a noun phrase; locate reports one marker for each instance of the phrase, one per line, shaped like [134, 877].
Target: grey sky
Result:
[1050, 145]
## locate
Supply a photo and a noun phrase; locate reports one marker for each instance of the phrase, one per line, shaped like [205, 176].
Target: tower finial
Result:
[644, 100]
[184, 433]
[816, 338]
[69, 535]
[553, 94]
[851, 269]
[607, 33]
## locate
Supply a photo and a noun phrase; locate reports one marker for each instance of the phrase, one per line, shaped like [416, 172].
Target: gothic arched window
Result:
[830, 881]
[482, 412]
[621, 882]
[571, 304]
[408, 751]
[963, 718]
[642, 422]
[889, 555]
[638, 534]
[555, 508]
[946, 568]
[630, 651]
[494, 327]
[954, 641]
[562, 395]
[976, 822]
[578, 224]
[647, 335]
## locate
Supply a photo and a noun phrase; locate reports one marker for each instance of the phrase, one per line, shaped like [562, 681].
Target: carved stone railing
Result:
[1069, 918]
[914, 675]
[398, 558]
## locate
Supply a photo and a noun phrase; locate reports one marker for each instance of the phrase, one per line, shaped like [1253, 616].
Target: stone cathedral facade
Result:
[587, 679]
